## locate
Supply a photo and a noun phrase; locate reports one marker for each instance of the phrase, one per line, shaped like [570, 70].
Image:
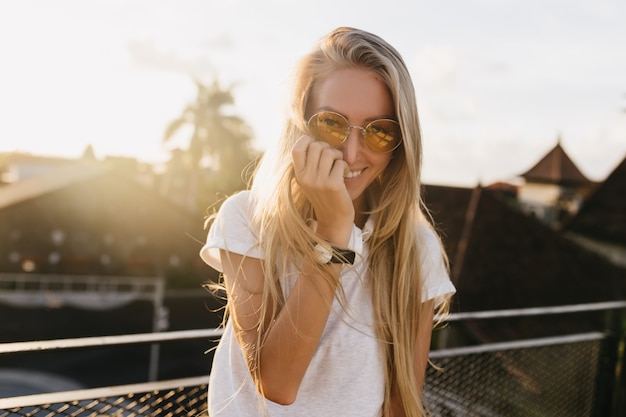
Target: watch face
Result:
[324, 254]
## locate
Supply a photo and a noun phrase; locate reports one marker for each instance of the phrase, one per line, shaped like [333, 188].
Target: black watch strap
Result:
[342, 256]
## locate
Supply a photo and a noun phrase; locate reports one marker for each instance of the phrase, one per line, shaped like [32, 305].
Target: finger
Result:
[299, 152]
[319, 159]
[339, 169]
[328, 158]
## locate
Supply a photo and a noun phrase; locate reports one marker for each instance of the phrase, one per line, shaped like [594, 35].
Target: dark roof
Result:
[39, 185]
[603, 214]
[501, 258]
[90, 220]
[448, 207]
[556, 167]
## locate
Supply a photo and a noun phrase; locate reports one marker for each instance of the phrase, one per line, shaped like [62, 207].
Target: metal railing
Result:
[571, 375]
[174, 398]
[553, 377]
[88, 292]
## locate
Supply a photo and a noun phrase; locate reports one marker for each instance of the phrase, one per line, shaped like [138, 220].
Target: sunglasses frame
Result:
[362, 128]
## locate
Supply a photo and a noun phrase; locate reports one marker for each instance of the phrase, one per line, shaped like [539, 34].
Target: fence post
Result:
[159, 323]
[613, 386]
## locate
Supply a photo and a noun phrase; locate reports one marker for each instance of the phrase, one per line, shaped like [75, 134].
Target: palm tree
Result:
[219, 139]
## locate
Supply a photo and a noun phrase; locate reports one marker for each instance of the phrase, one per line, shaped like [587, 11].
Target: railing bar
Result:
[535, 311]
[196, 334]
[13, 347]
[108, 340]
[519, 344]
[93, 393]
[12, 277]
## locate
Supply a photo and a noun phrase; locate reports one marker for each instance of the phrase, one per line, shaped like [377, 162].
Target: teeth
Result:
[352, 174]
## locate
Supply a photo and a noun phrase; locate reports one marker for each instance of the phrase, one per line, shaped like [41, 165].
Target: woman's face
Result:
[361, 97]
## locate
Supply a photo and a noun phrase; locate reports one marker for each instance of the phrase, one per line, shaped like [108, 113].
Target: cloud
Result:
[147, 54]
[436, 68]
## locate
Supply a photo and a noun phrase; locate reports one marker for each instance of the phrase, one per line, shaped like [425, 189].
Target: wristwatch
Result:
[327, 254]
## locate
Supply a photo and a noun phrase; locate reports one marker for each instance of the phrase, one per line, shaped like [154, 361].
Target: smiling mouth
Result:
[352, 174]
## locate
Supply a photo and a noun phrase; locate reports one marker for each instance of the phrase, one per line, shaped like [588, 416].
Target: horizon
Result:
[513, 179]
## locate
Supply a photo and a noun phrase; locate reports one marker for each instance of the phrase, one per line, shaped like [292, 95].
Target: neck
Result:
[360, 220]
[360, 210]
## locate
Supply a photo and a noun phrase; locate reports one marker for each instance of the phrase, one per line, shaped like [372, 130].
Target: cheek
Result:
[381, 162]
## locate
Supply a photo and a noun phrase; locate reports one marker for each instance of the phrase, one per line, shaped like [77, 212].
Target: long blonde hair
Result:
[282, 215]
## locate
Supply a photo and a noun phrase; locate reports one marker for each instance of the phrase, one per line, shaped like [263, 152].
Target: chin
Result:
[355, 194]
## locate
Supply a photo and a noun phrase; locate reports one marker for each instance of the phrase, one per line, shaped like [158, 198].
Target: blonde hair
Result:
[282, 214]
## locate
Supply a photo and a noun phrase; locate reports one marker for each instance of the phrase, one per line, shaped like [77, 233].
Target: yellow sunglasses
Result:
[381, 135]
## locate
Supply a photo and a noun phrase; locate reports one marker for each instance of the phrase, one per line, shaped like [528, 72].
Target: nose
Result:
[352, 145]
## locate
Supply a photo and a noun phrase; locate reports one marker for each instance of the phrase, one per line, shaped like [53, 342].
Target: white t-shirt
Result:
[346, 376]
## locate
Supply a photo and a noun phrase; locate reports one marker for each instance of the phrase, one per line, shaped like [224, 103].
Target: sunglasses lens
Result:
[328, 127]
[383, 135]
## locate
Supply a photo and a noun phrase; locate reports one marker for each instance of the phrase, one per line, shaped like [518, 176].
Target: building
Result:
[89, 251]
[89, 219]
[501, 258]
[554, 187]
[600, 224]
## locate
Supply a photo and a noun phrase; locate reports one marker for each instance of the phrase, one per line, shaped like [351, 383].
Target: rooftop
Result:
[556, 167]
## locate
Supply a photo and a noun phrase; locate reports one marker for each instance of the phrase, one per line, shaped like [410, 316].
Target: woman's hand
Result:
[319, 170]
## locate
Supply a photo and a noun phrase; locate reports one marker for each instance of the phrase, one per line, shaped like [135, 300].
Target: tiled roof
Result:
[603, 214]
[501, 258]
[98, 222]
[556, 167]
[448, 206]
[42, 184]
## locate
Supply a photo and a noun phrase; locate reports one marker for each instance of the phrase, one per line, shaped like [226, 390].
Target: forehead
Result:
[358, 94]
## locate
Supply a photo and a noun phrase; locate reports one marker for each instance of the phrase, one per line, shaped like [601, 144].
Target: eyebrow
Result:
[367, 120]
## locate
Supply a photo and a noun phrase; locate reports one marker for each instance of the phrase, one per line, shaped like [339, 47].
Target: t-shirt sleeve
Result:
[437, 284]
[232, 231]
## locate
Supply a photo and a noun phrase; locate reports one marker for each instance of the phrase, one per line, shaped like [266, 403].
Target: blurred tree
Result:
[219, 148]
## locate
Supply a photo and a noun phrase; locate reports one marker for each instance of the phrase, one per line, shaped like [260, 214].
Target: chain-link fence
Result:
[567, 376]
[549, 378]
[157, 400]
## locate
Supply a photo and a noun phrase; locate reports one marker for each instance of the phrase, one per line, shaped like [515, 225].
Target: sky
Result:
[498, 82]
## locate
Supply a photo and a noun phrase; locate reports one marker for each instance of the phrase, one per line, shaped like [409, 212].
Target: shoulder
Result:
[429, 240]
[434, 265]
[232, 230]
[238, 201]
[238, 208]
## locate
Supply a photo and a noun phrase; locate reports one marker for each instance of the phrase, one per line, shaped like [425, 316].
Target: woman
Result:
[331, 269]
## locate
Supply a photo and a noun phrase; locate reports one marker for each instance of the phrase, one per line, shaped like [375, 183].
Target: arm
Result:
[292, 339]
[420, 356]
[297, 326]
